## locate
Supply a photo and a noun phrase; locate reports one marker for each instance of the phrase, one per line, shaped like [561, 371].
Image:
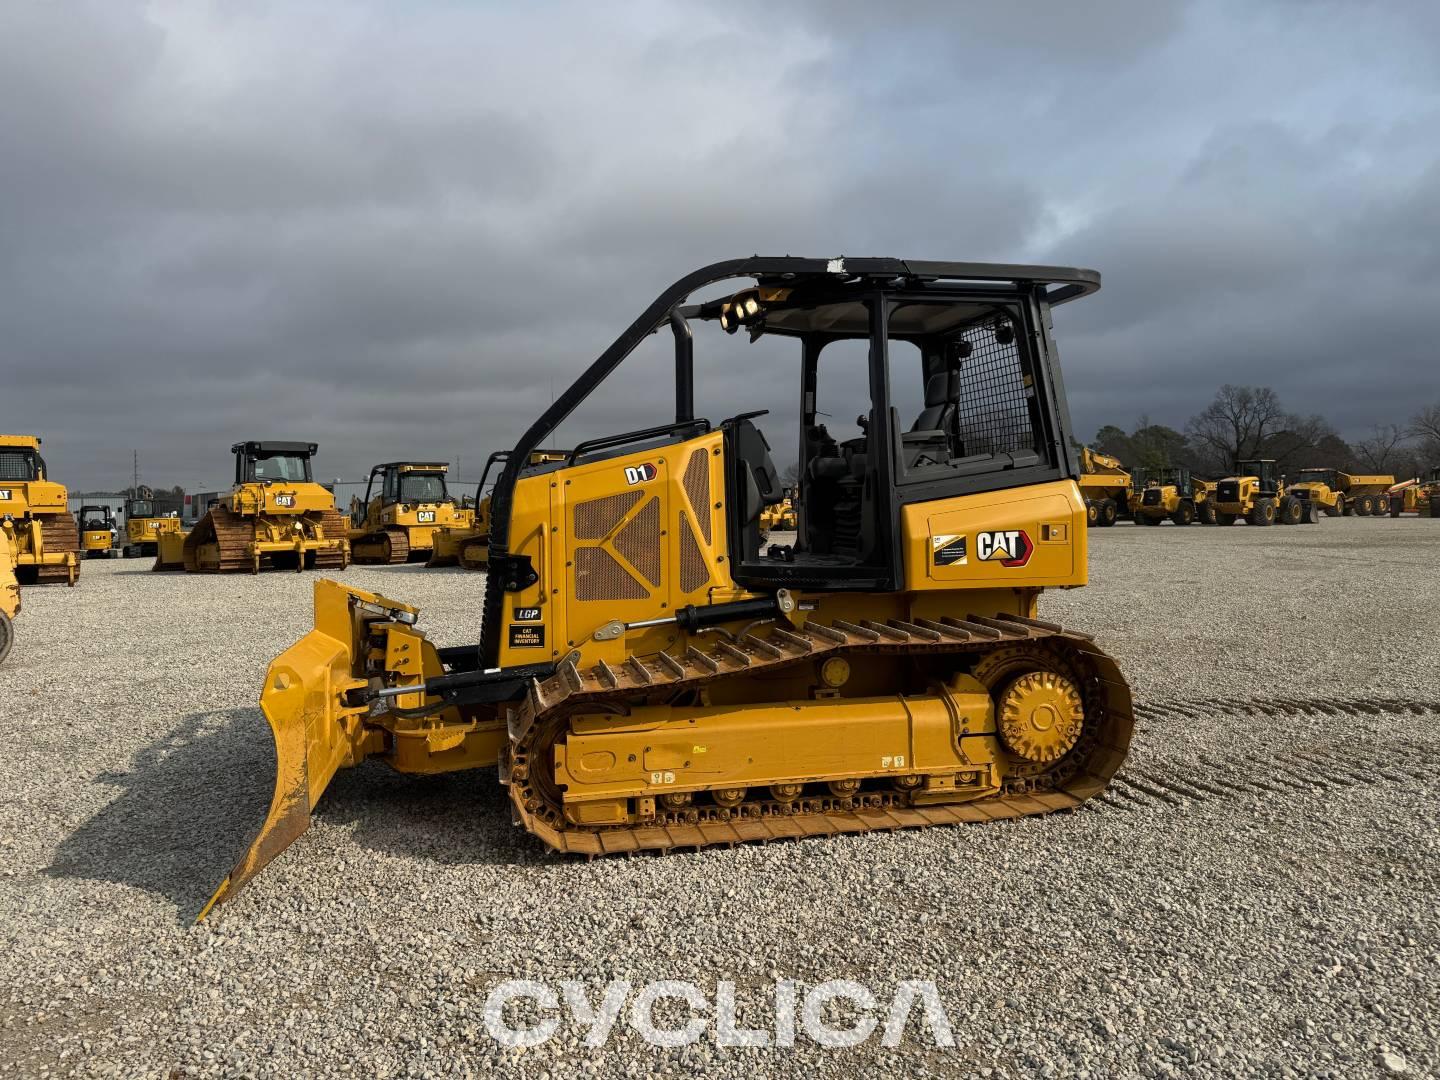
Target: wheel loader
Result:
[9, 596]
[1105, 485]
[144, 525]
[646, 679]
[1335, 492]
[400, 522]
[35, 516]
[97, 531]
[469, 545]
[780, 517]
[1257, 493]
[275, 517]
[1170, 494]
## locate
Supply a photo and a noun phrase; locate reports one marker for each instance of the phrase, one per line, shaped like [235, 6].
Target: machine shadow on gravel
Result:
[191, 802]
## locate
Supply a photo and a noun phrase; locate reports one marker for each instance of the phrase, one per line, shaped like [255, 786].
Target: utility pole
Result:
[136, 481]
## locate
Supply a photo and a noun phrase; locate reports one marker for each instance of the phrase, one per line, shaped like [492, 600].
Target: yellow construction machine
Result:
[1416, 496]
[1105, 487]
[35, 516]
[647, 678]
[1257, 493]
[275, 517]
[1335, 492]
[9, 596]
[97, 531]
[469, 545]
[1172, 494]
[401, 519]
[780, 517]
[144, 525]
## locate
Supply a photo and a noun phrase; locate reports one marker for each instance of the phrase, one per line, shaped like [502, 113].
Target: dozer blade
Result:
[316, 732]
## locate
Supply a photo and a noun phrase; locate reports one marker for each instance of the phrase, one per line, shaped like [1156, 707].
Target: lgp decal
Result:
[1008, 547]
[639, 474]
[527, 614]
[949, 549]
[284, 500]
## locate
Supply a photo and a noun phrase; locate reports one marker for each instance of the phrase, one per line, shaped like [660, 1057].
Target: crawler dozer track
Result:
[233, 533]
[993, 648]
[59, 534]
[389, 546]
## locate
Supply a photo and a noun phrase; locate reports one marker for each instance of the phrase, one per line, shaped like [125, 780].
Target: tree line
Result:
[1249, 422]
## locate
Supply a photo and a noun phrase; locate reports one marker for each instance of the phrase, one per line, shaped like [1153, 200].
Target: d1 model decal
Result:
[639, 474]
[1008, 547]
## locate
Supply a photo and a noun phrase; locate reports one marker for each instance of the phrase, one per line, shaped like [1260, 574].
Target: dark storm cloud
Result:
[400, 231]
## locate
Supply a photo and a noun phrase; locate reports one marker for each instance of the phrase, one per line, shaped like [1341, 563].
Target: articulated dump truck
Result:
[275, 517]
[647, 678]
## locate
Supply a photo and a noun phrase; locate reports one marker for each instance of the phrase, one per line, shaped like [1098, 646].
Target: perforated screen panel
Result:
[994, 407]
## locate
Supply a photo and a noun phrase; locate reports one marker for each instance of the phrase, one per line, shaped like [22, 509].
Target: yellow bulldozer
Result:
[1105, 487]
[1257, 494]
[1335, 492]
[9, 596]
[35, 516]
[145, 525]
[781, 517]
[1170, 494]
[469, 545]
[647, 678]
[400, 520]
[275, 517]
[97, 531]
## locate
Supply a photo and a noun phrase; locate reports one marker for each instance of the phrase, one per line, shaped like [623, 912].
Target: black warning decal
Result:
[949, 550]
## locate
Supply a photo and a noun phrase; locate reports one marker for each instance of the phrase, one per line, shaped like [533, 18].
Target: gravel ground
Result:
[1257, 897]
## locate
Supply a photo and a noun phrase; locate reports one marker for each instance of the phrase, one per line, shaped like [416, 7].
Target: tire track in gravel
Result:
[1170, 782]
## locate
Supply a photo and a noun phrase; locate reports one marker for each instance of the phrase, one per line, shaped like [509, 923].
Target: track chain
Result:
[543, 718]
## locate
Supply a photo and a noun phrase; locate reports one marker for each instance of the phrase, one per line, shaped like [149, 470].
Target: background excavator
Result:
[97, 531]
[647, 678]
[401, 519]
[35, 516]
[275, 517]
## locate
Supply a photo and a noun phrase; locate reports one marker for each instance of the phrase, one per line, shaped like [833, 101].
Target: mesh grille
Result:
[599, 576]
[1228, 491]
[994, 408]
[697, 490]
[639, 541]
[595, 519]
[693, 571]
[14, 465]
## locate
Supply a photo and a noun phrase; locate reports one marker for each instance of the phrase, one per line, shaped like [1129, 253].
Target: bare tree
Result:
[1377, 451]
[1236, 424]
[1425, 426]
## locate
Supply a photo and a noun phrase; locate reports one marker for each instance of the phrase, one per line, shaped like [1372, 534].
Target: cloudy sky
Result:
[397, 229]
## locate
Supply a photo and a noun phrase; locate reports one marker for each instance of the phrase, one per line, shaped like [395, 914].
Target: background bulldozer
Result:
[97, 531]
[401, 519]
[275, 517]
[9, 596]
[1336, 493]
[469, 545]
[1257, 493]
[35, 516]
[1105, 486]
[1172, 494]
[648, 678]
[144, 526]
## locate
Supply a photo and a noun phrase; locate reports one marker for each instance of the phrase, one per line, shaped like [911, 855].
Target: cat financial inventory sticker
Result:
[527, 637]
[949, 549]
